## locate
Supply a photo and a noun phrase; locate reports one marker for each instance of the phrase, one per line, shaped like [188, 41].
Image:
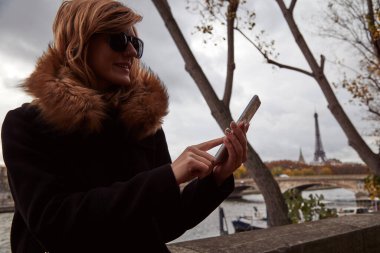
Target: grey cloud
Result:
[26, 28]
[283, 124]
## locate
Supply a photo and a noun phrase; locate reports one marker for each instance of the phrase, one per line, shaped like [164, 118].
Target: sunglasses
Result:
[119, 42]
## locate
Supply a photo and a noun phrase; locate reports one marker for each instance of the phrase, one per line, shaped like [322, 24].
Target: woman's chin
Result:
[122, 82]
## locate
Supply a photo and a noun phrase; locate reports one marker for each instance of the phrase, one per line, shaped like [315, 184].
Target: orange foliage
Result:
[292, 168]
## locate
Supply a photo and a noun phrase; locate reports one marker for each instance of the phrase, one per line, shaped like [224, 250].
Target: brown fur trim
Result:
[147, 90]
[69, 106]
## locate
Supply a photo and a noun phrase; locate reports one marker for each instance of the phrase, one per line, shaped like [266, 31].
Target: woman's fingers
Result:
[243, 126]
[196, 162]
[199, 166]
[200, 154]
[238, 130]
[237, 144]
[209, 144]
[237, 139]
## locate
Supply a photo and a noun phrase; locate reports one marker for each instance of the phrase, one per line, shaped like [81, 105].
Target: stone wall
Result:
[348, 234]
[6, 200]
[4, 187]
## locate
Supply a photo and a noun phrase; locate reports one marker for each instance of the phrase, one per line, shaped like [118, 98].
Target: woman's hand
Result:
[236, 143]
[195, 161]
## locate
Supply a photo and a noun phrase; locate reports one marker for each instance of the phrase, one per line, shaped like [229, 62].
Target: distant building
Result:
[319, 152]
[301, 159]
[334, 161]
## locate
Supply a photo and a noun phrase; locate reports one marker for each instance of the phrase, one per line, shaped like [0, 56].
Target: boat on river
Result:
[247, 223]
[244, 223]
[352, 211]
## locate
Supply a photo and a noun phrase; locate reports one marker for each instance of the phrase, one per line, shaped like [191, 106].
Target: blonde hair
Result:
[75, 23]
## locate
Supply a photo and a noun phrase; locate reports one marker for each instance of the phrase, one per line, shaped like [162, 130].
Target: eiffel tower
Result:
[319, 153]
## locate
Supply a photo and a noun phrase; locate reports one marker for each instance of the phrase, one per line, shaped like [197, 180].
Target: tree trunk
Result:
[277, 209]
[354, 139]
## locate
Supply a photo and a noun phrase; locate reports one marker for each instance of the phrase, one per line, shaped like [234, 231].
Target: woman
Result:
[88, 162]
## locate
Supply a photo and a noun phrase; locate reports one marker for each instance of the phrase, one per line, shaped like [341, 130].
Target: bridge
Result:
[354, 183]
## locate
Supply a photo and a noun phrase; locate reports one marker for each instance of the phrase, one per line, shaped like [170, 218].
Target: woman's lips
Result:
[124, 66]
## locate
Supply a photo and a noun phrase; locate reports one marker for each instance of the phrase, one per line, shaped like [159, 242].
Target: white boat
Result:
[351, 210]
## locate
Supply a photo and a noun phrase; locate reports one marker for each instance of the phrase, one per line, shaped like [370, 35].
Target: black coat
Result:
[103, 192]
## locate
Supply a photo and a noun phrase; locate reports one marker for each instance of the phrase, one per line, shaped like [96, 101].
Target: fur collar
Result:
[67, 105]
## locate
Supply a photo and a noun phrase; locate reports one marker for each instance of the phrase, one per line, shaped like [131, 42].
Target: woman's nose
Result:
[130, 51]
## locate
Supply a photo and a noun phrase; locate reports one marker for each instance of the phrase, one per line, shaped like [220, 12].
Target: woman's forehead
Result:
[127, 30]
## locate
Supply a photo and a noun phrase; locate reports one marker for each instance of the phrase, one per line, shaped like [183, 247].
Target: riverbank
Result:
[233, 208]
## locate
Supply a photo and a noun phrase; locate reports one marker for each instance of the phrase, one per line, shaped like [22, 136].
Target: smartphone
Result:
[247, 115]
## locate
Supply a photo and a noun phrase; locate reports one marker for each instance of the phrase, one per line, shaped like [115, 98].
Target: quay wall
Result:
[6, 200]
[348, 234]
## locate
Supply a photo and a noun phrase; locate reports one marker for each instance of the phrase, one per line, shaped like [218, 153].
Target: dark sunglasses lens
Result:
[119, 42]
[138, 46]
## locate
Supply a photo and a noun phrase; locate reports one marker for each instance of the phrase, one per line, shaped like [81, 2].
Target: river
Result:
[335, 198]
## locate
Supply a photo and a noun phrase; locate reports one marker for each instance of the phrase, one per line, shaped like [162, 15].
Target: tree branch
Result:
[323, 58]
[192, 65]
[271, 61]
[372, 25]
[354, 138]
[231, 16]
[292, 5]
[280, 65]
[377, 113]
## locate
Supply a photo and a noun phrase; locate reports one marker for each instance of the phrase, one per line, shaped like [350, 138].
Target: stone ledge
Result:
[349, 234]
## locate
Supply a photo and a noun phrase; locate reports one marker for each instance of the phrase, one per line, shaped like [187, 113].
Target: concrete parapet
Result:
[348, 234]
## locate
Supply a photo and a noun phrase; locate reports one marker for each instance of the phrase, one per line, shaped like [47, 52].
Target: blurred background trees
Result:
[236, 16]
[356, 24]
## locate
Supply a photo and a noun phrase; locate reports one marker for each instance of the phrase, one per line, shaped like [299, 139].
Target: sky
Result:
[283, 125]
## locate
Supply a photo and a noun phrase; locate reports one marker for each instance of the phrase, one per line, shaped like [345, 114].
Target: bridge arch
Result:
[305, 186]
[354, 183]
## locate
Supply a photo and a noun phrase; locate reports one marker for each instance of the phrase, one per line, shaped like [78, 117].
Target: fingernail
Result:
[227, 131]
[233, 124]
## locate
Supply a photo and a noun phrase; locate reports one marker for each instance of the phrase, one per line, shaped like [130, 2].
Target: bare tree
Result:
[317, 72]
[276, 206]
[354, 138]
[357, 24]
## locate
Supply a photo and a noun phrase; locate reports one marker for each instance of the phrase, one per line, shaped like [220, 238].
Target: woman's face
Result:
[110, 67]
